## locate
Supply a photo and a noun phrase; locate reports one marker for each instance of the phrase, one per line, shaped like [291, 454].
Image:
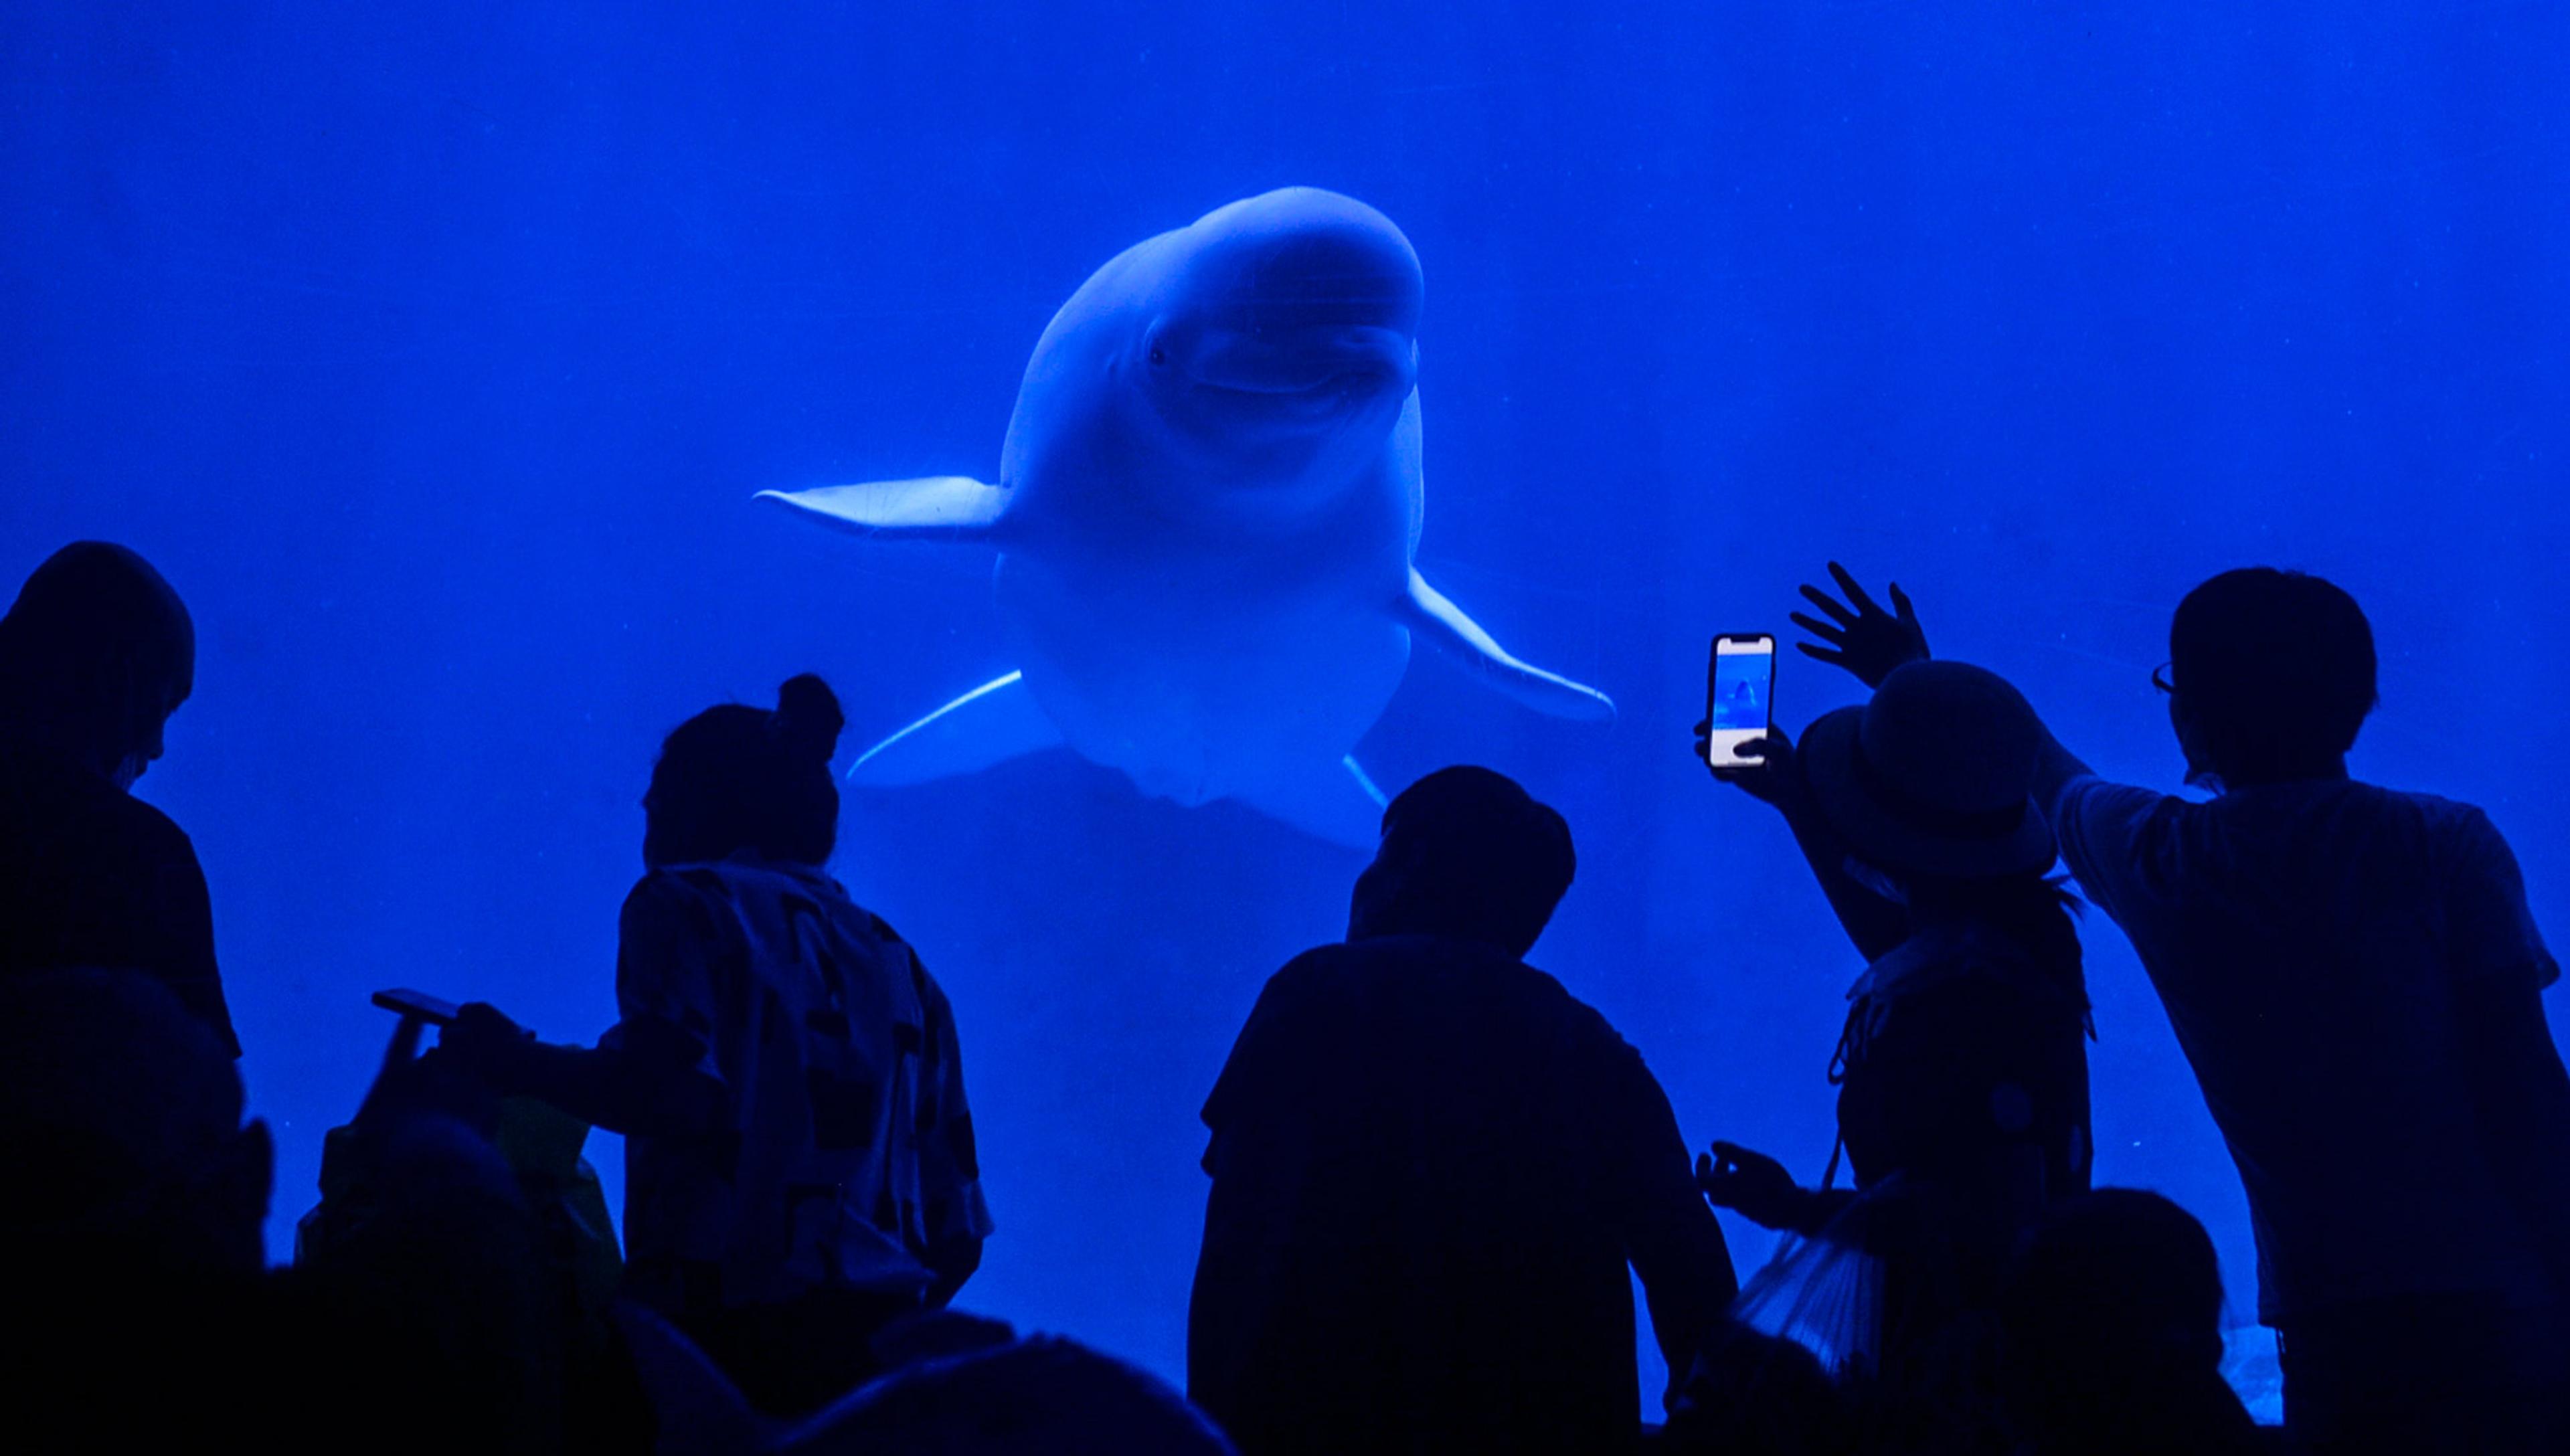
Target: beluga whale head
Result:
[1206, 518]
[1283, 327]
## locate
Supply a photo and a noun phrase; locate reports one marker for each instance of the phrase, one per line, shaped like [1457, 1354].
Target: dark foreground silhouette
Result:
[1432, 1166]
[95, 655]
[2355, 979]
[141, 1315]
[1435, 1172]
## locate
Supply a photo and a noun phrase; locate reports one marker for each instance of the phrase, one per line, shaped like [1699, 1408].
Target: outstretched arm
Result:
[1868, 642]
[1873, 923]
[2054, 767]
[647, 1082]
[1758, 1188]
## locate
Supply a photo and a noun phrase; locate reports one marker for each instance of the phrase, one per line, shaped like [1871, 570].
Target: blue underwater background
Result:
[434, 354]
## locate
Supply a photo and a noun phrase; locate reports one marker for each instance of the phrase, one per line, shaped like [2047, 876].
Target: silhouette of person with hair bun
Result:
[800, 1166]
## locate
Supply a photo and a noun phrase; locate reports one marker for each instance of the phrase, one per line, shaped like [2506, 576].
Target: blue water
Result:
[435, 355]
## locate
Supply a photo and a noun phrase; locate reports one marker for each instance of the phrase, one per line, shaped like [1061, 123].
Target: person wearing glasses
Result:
[2355, 979]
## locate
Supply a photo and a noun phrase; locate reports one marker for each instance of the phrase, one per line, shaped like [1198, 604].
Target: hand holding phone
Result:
[413, 1005]
[1739, 697]
[410, 1084]
[1768, 773]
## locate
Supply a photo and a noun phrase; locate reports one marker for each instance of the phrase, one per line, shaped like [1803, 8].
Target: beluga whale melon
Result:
[1207, 508]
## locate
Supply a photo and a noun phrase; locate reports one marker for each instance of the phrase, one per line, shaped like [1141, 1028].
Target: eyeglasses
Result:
[2160, 678]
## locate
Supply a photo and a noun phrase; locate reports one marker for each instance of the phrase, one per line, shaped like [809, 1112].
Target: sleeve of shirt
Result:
[949, 1162]
[2489, 925]
[668, 949]
[2100, 826]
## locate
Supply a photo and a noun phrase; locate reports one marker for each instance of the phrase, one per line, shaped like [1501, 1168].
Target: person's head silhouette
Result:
[736, 777]
[1464, 853]
[2271, 675]
[95, 655]
[2118, 1273]
[2112, 1315]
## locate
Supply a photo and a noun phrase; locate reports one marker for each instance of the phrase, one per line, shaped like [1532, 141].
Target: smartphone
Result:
[418, 1007]
[1739, 690]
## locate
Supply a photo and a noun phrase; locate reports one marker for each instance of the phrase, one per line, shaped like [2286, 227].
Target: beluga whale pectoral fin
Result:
[950, 507]
[1427, 612]
[992, 723]
[1328, 800]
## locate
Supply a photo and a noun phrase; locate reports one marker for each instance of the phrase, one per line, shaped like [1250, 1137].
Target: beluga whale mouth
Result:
[1296, 310]
[1316, 362]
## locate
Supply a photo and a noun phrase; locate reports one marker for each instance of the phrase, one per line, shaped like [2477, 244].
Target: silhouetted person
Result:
[2355, 979]
[140, 1313]
[1432, 1166]
[2111, 1335]
[1963, 1068]
[800, 1162]
[95, 655]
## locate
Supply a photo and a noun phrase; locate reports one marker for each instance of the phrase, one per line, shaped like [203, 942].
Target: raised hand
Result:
[1859, 636]
[1774, 779]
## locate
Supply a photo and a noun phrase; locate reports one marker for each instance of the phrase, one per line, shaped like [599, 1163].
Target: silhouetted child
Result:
[2355, 979]
[800, 1161]
[95, 655]
[1432, 1166]
[2111, 1332]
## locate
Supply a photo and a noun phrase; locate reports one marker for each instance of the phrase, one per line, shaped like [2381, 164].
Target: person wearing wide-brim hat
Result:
[1933, 778]
[1962, 1066]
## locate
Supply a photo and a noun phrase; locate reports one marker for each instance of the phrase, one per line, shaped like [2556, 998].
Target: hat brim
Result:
[1880, 837]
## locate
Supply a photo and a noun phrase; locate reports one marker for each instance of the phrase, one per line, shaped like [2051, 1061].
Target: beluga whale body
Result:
[1206, 515]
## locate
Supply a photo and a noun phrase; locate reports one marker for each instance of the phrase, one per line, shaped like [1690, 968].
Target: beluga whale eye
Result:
[1158, 354]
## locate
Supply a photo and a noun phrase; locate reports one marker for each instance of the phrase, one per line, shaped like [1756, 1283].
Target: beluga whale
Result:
[1206, 518]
